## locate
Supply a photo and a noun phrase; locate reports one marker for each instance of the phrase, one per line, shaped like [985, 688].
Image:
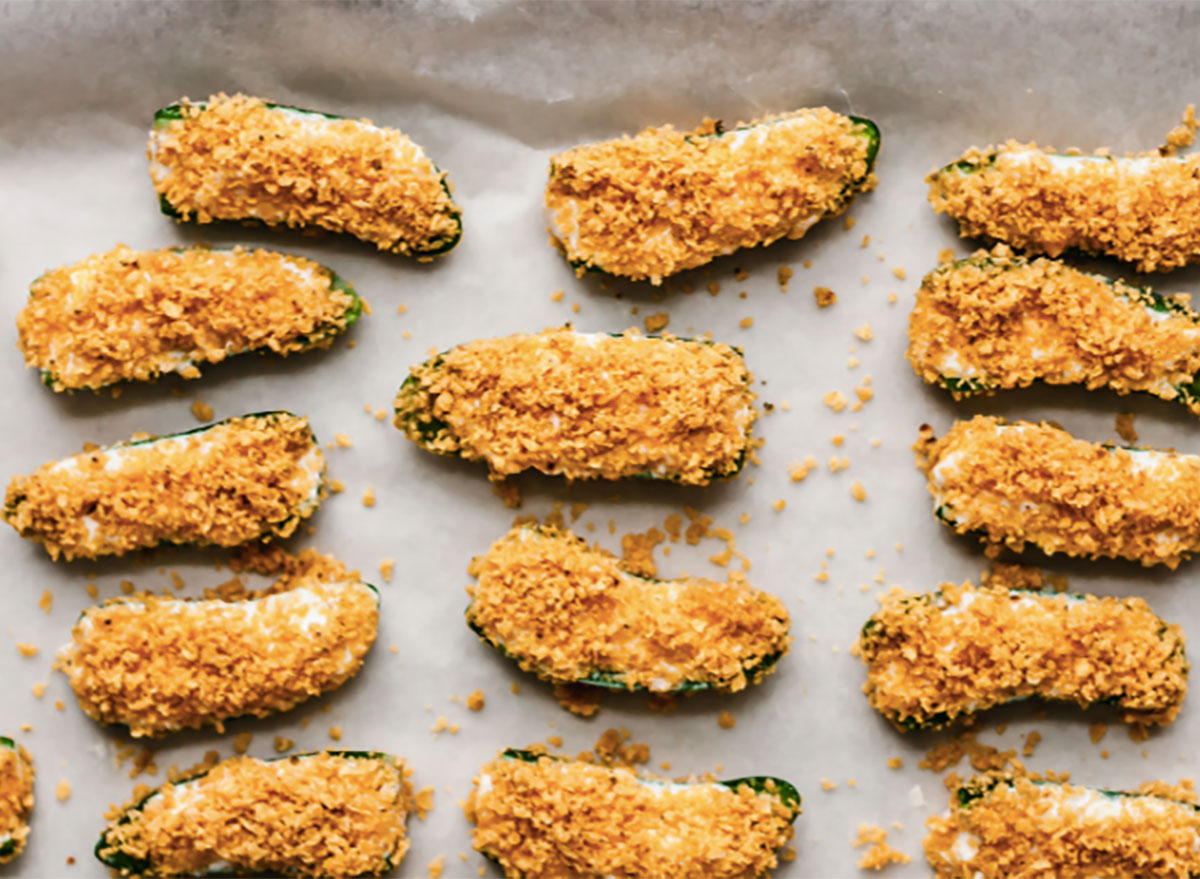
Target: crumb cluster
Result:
[243, 479]
[665, 201]
[1140, 209]
[1022, 483]
[158, 665]
[585, 406]
[1002, 825]
[934, 657]
[129, 315]
[321, 814]
[238, 158]
[570, 612]
[554, 818]
[997, 321]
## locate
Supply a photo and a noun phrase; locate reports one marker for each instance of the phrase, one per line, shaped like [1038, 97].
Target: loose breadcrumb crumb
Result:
[386, 568]
[368, 498]
[202, 411]
[26, 649]
[62, 792]
[857, 491]
[726, 720]
[1124, 427]
[835, 400]
[864, 333]
[241, 742]
[656, 322]
[824, 296]
[880, 854]
[746, 322]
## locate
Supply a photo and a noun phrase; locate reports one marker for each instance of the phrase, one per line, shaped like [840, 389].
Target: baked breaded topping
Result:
[129, 315]
[1143, 210]
[997, 321]
[1022, 483]
[564, 819]
[936, 656]
[247, 478]
[665, 201]
[569, 612]
[240, 158]
[585, 406]
[158, 665]
[331, 813]
[16, 798]
[1004, 826]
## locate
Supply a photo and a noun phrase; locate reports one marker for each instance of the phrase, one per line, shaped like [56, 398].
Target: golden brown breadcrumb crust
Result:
[585, 406]
[934, 657]
[236, 158]
[565, 610]
[665, 201]
[248, 478]
[997, 321]
[1020, 483]
[1143, 210]
[566, 819]
[129, 315]
[1021, 829]
[322, 814]
[16, 800]
[157, 665]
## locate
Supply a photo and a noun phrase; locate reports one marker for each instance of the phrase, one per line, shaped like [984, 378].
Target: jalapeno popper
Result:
[934, 657]
[248, 478]
[129, 315]
[16, 798]
[1012, 827]
[665, 201]
[570, 613]
[585, 406]
[327, 813]
[538, 816]
[160, 665]
[996, 321]
[1143, 210]
[242, 158]
[1020, 483]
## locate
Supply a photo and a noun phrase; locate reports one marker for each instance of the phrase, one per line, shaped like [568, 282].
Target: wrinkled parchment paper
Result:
[491, 90]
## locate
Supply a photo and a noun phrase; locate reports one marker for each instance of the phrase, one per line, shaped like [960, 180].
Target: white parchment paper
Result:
[491, 90]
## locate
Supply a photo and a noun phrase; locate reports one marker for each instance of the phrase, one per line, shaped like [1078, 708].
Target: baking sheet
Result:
[491, 89]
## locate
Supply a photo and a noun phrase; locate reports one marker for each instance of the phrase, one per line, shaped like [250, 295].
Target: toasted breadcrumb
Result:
[201, 411]
[386, 568]
[895, 763]
[746, 323]
[857, 491]
[475, 701]
[824, 296]
[656, 322]
[880, 854]
[39, 690]
[26, 649]
[665, 201]
[1140, 209]
[283, 744]
[585, 406]
[1097, 731]
[62, 792]
[995, 321]
[241, 480]
[130, 315]
[16, 798]
[784, 275]
[1124, 427]
[1002, 825]
[835, 400]
[726, 720]
[1033, 483]
[864, 333]
[368, 498]
[158, 665]
[555, 818]
[235, 158]
[241, 742]
[321, 814]
[343, 441]
[827, 785]
[335, 733]
[580, 700]
[935, 656]
[566, 611]
[436, 866]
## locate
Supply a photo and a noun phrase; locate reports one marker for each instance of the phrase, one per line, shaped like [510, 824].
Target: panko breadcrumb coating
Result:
[248, 478]
[1143, 210]
[570, 613]
[157, 665]
[129, 315]
[1004, 826]
[665, 201]
[16, 798]
[934, 657]
[585, 406]
[327, 813]
[995, 321]
[544, 818]
[242, 158]
[1020, 483]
